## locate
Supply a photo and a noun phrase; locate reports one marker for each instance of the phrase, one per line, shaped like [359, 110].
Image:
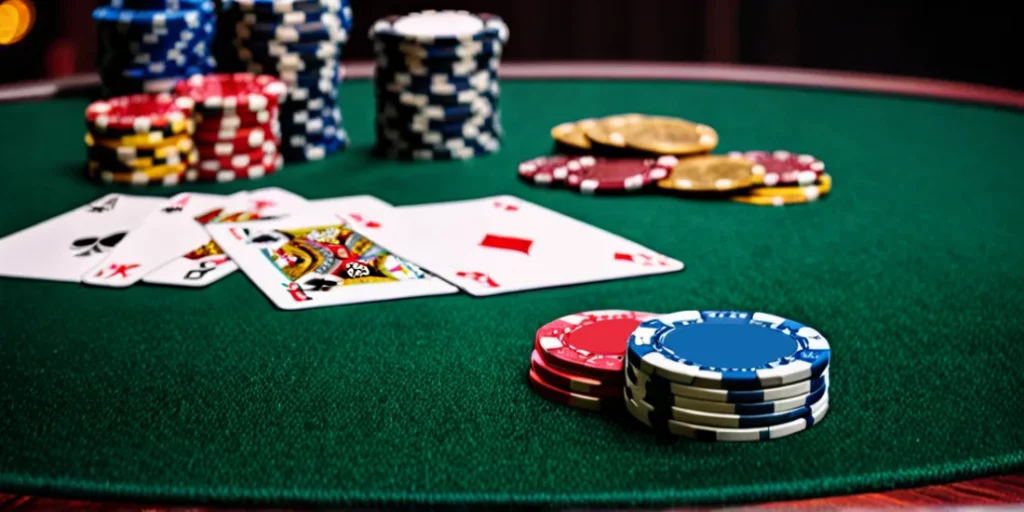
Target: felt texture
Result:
[913, 268]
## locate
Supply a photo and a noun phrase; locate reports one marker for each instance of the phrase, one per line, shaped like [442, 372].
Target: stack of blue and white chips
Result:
[300, 42]
[727, 375]
[149, 45]
[437, 84]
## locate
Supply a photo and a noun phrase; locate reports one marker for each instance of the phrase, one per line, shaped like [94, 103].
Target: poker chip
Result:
[710, 173]
[262, 157]
[666, 136]
[165, 175]
[436, 85]
[591, 343]
[540, 170]
[250, 172]
[783, 168]
[814, 416]
[140, 113]
[607, 131]
[571, 382]
[758, 409]
[147, 47]
[570, 137]
[782, 196]
[655, 385]
[619, 174]
[728, 349]
[232, 92]
[561, 396]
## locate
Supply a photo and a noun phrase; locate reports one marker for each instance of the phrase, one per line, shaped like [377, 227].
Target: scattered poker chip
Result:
[223, 92]
[812, 192]
[607, 131]
[577, 400]
[140, 112]
[666, 136]
[619, 174]
[784, 168]
[573, 383]
[655, 386]
[540, 170]
[772, 200]
[710, 173]
[728, 349]
[591, 343]
[710, 433]
[571, 136]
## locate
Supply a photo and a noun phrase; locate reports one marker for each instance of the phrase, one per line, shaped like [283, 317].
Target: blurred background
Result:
[968, 41]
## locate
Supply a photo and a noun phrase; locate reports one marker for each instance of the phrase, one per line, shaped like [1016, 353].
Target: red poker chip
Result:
[250, 137]
[620, 174]
[539, 170]
[577, 400]
[232, 92]
[784, 168]
[240, 160]
[575, 383]
[591, 343]
[249, 173]
[141, 113]
[238, 120]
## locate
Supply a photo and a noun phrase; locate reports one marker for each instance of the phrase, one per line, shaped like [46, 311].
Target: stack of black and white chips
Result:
[437, 84]
[299, 42]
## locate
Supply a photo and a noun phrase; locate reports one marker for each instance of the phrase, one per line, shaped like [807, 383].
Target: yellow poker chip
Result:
[823, 187]
[572, 134]
[669, 136]
[151, 138]
[150, 144]
[710, 173]
[165, 175]
[608, 131]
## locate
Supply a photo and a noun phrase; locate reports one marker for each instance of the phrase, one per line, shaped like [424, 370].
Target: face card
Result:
[165, 234]
[66, 246]
[314, 260]
[207, 264]
[504, 244]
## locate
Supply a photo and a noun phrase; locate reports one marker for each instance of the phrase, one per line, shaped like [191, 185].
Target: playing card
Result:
[206, 264]
[313, 260]
[66, 246]
[165, 234]
[504, 244]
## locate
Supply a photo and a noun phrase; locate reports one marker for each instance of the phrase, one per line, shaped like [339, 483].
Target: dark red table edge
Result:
[998, 490]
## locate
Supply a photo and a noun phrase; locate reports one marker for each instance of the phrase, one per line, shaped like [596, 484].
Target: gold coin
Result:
[710, 173]
[572, 134]
[822, 188]
[670, 136]
[607, 131]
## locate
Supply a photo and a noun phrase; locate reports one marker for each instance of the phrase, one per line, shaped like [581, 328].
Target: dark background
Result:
[965, 41]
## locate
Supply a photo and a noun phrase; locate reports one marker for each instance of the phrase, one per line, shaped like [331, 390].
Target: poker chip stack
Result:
[140, 140]
[148, 45]
[237, 127]
[577, 359]
[299, 42]
[437, 84]
[726, 375]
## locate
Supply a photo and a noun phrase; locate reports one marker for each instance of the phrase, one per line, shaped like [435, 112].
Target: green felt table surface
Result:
[913, 268]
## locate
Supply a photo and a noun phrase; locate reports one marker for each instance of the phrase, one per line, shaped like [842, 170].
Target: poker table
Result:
[912, 268]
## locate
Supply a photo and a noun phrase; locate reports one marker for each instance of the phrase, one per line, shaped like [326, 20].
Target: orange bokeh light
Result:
[16, 20]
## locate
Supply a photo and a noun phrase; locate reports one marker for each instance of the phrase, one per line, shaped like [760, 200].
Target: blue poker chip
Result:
[419, 67]
[438, 84]
[720, 419]
[127, 19]
[403, 133]
[293, 62]
[423, 101]
[728, 349]
[298, 148]
[440, 28]
[435, 112]
[304, 33]
[310, 122]
[658, 389]
[429, 154]
[266, 49]
[147, 5]
[280, 7]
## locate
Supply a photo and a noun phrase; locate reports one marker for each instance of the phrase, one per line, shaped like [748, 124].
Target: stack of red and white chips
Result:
[237, 129]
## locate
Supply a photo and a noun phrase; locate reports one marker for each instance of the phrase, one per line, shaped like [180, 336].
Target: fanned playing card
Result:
[207, 263]
[66, 246]
[165, 234]
[504, 244]
[313, 259]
